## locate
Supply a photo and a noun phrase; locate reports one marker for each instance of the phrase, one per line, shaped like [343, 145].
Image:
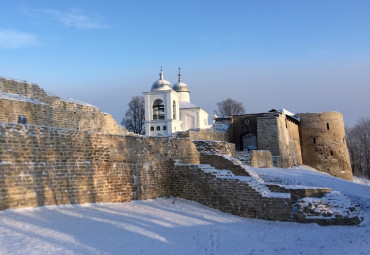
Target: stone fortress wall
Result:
[317, 140]
[275, 132]
[24, 98]
[324, 144]
[42, 164]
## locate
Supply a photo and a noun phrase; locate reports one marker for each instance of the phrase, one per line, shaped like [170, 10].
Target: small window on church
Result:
[174, 109]
[151, 128]
[158, 128]
[314, 140]
[164, 127]
[22, 119]
[327, 126]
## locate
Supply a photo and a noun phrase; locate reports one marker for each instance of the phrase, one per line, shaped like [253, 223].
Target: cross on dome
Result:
[179, 74]
[161, 74]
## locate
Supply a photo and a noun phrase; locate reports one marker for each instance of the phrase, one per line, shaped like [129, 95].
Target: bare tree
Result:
[229, 107]
[135, 115]
[358, 141]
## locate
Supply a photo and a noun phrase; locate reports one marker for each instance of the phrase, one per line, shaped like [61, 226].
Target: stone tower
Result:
[324, 144]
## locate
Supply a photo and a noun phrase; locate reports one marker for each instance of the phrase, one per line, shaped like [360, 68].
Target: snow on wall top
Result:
[17, 97]
[71, 100]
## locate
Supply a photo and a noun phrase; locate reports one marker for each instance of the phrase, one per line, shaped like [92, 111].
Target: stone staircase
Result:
[230, 174]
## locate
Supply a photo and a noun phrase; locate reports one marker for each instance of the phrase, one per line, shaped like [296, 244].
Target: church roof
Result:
[187, 105]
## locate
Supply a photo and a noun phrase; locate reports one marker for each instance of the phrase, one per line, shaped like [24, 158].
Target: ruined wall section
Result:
[215, 147]
[46, 166]
[323, 143]
[23, 98]
[222, 190]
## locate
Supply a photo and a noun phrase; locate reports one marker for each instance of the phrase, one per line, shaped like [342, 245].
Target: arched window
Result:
[158, 110]
[174, 109]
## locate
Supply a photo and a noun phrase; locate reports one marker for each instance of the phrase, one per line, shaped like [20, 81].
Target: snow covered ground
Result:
[177, 226]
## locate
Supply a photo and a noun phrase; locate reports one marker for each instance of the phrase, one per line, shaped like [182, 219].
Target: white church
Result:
[168, 109]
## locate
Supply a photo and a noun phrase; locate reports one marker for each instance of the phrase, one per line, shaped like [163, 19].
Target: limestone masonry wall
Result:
[23, 98]
[267, 135]
[44, 166]
[280, 136]
[323, 143]
[70, 153]
[215, 147]
[289, 142]
[204, 134]
[261, 158]
[223, 191]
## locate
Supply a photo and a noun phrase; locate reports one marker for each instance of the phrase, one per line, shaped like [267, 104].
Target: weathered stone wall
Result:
[268, 134]
[215, 147]
[44, 166]
[29, 99]
[289, 142]
[324, 144]
[204, 134]
[223, 163]
[280, 136]
[299, 192]
[37, 113]
[262, 159]
[222, 191]
[240, 126]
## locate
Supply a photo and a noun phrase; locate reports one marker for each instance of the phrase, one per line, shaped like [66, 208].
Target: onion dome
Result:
[161, 84]
[180, 86]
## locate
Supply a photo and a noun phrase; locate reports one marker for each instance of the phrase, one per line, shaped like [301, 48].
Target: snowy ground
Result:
[176, 226]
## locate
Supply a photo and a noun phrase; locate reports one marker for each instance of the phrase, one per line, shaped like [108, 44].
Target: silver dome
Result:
[181, 87]
[161, 84]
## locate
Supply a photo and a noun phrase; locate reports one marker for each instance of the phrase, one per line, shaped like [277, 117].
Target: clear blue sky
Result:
[305, 56]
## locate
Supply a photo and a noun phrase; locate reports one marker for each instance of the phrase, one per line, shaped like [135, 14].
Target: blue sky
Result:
[305, 56]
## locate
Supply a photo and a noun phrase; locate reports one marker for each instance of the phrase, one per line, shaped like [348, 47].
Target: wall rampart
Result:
[44, 166]
[28, 99]
[204, 134]
[324, 144]
[215, 147]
